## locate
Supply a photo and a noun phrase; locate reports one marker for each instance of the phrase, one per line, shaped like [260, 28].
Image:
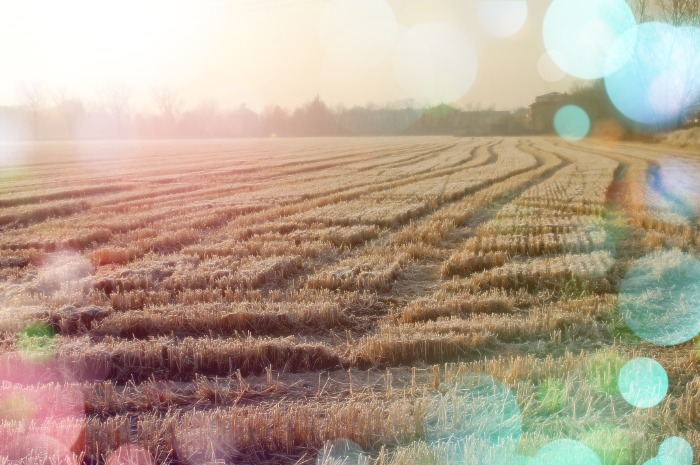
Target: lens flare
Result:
[479, 413]
[660, 297]
[13, 153]
[130, 455]
[63, 271]
[523, 460]
[672, 188]
[435, 63]
[675, 451]
[612, 444]
[552, 394]
[548, 68]
[567, 451]
[40, 399]
[661, 80]
[643, 382]
[608, 132]
[358, 33]
[502, 18]
[203, 442]
[36, 342]
[579, 36]
[46, 445]
[572, 123]
[17, 407]
[483, 451]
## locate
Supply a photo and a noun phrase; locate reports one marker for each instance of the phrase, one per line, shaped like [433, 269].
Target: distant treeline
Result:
[40, 118]
[68, 118]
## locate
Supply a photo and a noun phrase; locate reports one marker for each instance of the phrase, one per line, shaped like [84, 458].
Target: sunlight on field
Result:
[373, 300]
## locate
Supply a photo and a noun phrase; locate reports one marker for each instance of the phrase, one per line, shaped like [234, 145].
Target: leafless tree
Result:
[33, 95]
[685, 13]
[116, 99]
[67, 106]
[642, 10]
[59, 95]
[168, 102]
[680, 12]
[471, 106]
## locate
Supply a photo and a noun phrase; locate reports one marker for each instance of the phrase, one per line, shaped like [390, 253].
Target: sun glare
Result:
[81, 41]
[354, 232]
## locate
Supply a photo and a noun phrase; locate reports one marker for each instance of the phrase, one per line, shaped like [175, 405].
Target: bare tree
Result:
[680, 12]
[33, 96]
[471, 106]
[168, 102]
[642, 10]
[685, 13]
[70, 108]
[116, 99]
[59, 95]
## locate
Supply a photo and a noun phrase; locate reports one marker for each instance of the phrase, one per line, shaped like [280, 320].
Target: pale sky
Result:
[285, 52]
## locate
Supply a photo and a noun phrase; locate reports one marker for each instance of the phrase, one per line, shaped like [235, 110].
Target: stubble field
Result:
[392, 301]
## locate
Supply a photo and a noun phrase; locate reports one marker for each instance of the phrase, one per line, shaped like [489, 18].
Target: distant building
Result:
[543, 110]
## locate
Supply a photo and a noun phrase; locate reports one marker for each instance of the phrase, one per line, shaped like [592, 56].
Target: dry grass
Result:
[464, 263]
[248, 302]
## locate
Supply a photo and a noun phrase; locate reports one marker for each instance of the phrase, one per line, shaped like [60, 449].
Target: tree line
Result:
[675, 12]
[56, 114]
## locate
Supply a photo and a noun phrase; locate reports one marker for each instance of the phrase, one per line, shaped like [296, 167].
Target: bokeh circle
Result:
[480, 414]
[580, 36]
[660, 297]
[643, 382]
[548, 68]
[130, 455]
[661, 80]
[572, 123]
[502, 18]
[435, 63]
[675, 451]
[358, 33]
[566, 451]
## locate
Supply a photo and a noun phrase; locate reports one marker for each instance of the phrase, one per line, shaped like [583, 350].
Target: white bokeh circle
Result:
[358, 33]
[435, 63]
[502, 18]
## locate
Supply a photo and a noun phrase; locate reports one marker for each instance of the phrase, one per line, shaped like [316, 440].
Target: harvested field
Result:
[386, 301]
